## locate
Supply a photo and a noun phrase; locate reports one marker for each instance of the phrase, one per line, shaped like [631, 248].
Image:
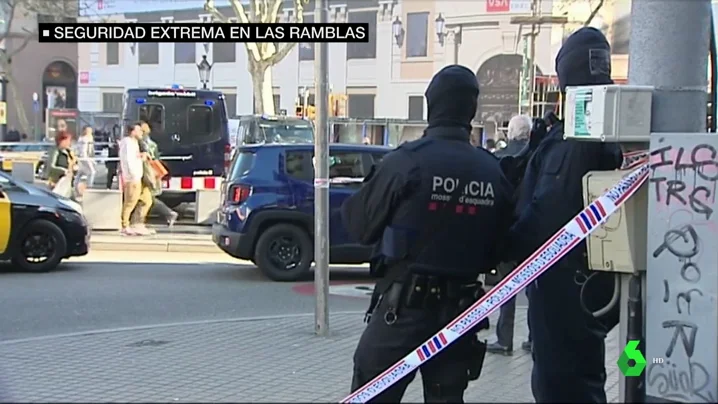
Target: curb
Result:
[180, 246]
[169, 325]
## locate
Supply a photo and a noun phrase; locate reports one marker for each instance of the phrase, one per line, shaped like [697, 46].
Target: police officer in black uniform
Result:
[568, 342]
[437, 209]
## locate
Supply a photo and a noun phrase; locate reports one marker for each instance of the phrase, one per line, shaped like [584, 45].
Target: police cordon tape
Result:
[570, 235]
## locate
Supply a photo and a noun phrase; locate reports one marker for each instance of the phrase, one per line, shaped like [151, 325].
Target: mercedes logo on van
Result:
[176, 137]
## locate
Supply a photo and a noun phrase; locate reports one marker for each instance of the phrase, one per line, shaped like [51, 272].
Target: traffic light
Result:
[299, 111]
[337, 104]
[311, 112]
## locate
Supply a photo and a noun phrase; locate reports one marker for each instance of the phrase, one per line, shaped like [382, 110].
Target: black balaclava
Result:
[452, 97]
[584, 59]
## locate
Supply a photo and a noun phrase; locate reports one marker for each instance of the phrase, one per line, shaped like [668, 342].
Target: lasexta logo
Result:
[631, 353]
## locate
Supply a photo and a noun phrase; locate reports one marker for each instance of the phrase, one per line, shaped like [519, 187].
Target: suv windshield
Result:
[287, 131]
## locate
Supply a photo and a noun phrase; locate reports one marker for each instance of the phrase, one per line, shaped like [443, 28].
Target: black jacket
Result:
[513, 148]
[551, 192]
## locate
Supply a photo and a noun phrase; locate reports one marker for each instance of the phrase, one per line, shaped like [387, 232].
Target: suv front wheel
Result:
[284, 253]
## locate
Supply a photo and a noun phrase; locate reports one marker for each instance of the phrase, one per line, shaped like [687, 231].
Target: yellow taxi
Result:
[39, 229]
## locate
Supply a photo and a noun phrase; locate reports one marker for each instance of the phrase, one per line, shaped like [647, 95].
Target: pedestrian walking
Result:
[113, 153]
[429, 255]
[61, 165]
[569, 349]
[134, 195]
[85, 150]
[148, 146]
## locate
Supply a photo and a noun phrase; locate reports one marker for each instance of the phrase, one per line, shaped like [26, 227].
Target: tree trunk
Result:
[262, 88]
[23, 122]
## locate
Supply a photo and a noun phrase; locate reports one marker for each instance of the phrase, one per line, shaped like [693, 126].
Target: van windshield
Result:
[287, 132]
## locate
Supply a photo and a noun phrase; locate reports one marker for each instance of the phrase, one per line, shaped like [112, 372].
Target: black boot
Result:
[526, 346]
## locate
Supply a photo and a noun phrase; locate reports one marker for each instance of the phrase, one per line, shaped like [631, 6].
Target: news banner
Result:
[203, 32]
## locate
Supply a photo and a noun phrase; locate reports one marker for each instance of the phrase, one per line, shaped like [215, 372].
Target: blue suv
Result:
[267, 209]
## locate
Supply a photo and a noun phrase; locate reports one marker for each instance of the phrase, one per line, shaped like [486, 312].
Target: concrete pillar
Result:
[669, 51]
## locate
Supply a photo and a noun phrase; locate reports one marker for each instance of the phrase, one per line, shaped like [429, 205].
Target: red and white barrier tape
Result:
[554, 249]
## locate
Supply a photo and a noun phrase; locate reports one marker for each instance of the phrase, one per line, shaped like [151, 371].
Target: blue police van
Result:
[190, 127]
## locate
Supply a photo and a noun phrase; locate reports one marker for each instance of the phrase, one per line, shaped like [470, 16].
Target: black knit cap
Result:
[584, 59]
[452, 97]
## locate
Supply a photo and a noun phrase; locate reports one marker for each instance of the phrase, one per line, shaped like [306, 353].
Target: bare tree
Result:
[595, 7]
[12, 12]
[261, 56]
[594, 11]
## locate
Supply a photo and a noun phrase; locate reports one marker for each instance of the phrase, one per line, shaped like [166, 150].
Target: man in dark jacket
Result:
[519, 131]
[437, 209]
[568, 342]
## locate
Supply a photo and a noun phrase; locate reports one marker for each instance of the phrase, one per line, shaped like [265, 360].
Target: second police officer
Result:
[437, 209]
[568, 342]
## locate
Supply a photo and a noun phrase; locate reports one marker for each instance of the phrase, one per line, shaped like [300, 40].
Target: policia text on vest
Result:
[476, 193]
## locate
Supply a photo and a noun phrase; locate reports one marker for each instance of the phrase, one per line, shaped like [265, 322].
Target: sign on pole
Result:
[508, 6]
[3, 113]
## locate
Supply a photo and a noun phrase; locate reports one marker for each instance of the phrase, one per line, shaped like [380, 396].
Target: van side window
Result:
[199, 122]
[154, 115]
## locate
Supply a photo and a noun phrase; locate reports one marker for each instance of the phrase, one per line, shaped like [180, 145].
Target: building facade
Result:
[384, 78]
[48, 70]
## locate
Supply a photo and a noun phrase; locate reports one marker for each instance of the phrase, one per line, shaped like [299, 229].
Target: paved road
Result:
[255, 360]
[122, 289]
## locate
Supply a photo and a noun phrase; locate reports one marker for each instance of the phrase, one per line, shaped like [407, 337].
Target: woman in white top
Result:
[85, 151]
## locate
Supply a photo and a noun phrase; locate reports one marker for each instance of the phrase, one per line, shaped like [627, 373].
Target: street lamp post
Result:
[36, 116]
[455, 33]
[397, 29]
[204, 68]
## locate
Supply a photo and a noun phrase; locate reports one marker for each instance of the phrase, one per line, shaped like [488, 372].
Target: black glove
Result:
[538, 132]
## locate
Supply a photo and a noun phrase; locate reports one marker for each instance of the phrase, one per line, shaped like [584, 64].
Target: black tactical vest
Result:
[438, 230]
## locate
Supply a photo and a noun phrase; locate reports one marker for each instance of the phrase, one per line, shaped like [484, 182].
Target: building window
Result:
[112, 54]
[306, 49]
[363, 50]
[417, 34]
[185, 53]
[276, 98]
[112, 102]
[225, 52]
[361, 106]
[416, 108]
[149, 53]
[231, 101]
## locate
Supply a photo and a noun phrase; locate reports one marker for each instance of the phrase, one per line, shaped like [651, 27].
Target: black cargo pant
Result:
[445, 376]
[505, 324]
[569, 350]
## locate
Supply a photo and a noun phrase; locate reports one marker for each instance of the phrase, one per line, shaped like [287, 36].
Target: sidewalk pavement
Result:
[164, 241]
[247, 360]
